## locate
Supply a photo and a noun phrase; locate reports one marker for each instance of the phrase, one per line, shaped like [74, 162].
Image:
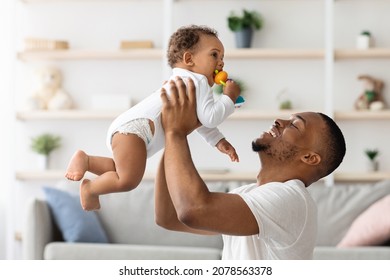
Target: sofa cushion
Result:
[370, 228]
[128, 218]
[355, 253]
[75, 224]
[339, 205]
[93, 251]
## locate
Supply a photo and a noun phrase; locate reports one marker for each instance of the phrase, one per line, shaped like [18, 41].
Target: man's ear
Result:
[311, 158]
[187, 59]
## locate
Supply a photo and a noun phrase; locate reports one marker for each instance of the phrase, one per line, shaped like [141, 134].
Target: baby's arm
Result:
[232, 90]
[216, 139]
[212, 113]
[225, 147]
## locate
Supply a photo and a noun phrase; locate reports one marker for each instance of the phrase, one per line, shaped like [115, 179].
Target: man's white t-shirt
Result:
[287, 218]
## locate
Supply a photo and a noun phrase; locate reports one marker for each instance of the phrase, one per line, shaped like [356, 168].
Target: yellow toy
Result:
[220, 78]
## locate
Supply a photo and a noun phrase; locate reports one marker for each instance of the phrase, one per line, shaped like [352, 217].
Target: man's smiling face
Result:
[286, 138]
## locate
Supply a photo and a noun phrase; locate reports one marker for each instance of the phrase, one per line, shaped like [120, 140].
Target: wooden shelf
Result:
[240, 114]
[361, 176]
[91, 54]
[53, 1]
[356, 53]
[72, 54]
[40, 175]
[362, 115]
[275, 53]
[252, 53]
[66, 115]
[212, 176]
[206, 175]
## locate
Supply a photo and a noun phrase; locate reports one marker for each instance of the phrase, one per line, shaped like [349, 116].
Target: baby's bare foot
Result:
[88, 202]
[77, 167]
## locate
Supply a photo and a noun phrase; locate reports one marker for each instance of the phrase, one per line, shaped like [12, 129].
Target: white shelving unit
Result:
[329, 54]
[311, 42]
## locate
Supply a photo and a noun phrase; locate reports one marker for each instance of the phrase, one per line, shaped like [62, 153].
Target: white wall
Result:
[7, 124]
[103, 24]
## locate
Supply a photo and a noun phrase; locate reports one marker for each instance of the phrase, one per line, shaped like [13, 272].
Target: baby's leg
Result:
[130, 160]
[88, 201]
[77, 166]
[81, 163]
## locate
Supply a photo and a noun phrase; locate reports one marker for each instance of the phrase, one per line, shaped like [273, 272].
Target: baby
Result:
[194, 52]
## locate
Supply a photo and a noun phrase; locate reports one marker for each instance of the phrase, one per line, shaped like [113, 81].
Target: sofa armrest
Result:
[352, 253]
[38, 229]
[94, 251]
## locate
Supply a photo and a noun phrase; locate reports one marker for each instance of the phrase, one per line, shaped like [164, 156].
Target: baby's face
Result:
[208, 57]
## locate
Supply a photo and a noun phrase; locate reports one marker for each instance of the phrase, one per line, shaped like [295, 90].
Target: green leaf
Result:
[45, 143]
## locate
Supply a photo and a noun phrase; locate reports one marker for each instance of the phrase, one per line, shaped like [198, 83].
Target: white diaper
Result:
[139, 127]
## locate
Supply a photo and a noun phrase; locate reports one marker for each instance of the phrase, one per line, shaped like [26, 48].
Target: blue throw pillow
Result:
[76, 225]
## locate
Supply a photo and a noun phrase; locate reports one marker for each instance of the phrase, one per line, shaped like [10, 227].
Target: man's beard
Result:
[256, 147]
[287, 153]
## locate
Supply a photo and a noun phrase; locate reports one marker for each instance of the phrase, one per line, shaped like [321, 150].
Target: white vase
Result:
[372, 165]
[363, 42]
[43, 162]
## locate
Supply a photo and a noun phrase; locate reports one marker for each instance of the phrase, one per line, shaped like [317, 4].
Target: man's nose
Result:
[280, 122]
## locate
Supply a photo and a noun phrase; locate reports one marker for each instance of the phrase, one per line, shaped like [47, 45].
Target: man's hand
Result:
[179, 109]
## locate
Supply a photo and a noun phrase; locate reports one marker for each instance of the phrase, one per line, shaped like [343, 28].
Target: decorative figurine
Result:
[50, 94]
[371, 98]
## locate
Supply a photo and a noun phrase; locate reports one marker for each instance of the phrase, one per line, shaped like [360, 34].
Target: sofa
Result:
[353, 221]
[130, 232]
[127, 220]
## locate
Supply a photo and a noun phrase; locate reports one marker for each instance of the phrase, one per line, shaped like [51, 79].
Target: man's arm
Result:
[165, 212]
[195, 205]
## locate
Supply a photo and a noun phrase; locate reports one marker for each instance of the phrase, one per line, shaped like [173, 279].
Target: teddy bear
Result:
[50, 95]
[371, 98]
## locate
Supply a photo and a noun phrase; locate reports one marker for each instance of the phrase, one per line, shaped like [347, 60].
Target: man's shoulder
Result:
[290, 186]
[244, 188]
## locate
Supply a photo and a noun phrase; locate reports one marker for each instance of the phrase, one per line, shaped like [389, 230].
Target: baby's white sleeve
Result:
[211, 135]
[211, 112]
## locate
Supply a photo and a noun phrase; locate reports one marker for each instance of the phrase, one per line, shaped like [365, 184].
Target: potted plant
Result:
[364, 40]
[43, 145]
[243, 26]
[284, 100]
[372, 154]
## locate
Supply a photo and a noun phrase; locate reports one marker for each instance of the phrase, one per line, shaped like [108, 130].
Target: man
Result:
[275, 218]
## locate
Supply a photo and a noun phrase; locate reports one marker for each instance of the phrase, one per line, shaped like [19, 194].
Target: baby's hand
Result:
[232, 89]
[225, 147]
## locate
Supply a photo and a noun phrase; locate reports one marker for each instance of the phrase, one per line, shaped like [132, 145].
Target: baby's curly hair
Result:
[186, 39]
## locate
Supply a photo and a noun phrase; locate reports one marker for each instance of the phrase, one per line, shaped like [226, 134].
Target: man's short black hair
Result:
[334, 147]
